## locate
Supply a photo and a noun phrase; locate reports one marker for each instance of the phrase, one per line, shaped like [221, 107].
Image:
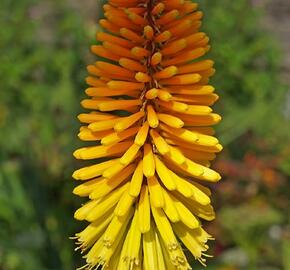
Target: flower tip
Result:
[152, 93]
[198, 77]
[175, 13]
[85, 103]
[92, 126]
[219, 147]
[77, 154]
[92, 196]
[211, 176]
[105, 141]
[218, 177]
[211, 218]
[75, 175]
[149, 173]
[79, 117]
[215, 97]
[118, 128]
[106, 7]
[142, 77]
[75, 191]
[217, 118]
[123, 30]
[205, 200]
[78, 215]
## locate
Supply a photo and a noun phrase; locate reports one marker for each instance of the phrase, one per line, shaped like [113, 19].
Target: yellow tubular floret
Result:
[131, 248]
[155, 191]
[159, 253]
[148, 161]
[114, 228]
[94, 170]
[125, 203]
[130, 154]
[106, 185]
[144, 210]
[175, 155]
[152, 117]
[101, 151]
[156, 59]
[169, 208]
[185, 215]
[148, 120]
[116, 137]
[142, 134]
[152, 93]
[106, 203]
[164, 174]
[160, 143]
[127, 122]
[150, 250]
[136, 181]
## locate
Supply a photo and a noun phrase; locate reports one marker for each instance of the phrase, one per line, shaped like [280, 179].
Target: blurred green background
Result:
[43, 52]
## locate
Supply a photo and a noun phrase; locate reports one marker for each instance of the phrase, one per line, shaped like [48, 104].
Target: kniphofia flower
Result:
[148, 121]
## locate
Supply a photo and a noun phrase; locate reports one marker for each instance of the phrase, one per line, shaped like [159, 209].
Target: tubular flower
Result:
[149, 124]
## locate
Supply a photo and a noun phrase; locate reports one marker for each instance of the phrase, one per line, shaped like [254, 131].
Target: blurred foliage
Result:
[44, 49]
[248, 62]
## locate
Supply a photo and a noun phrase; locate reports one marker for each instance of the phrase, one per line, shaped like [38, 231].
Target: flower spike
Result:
[148, 119]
